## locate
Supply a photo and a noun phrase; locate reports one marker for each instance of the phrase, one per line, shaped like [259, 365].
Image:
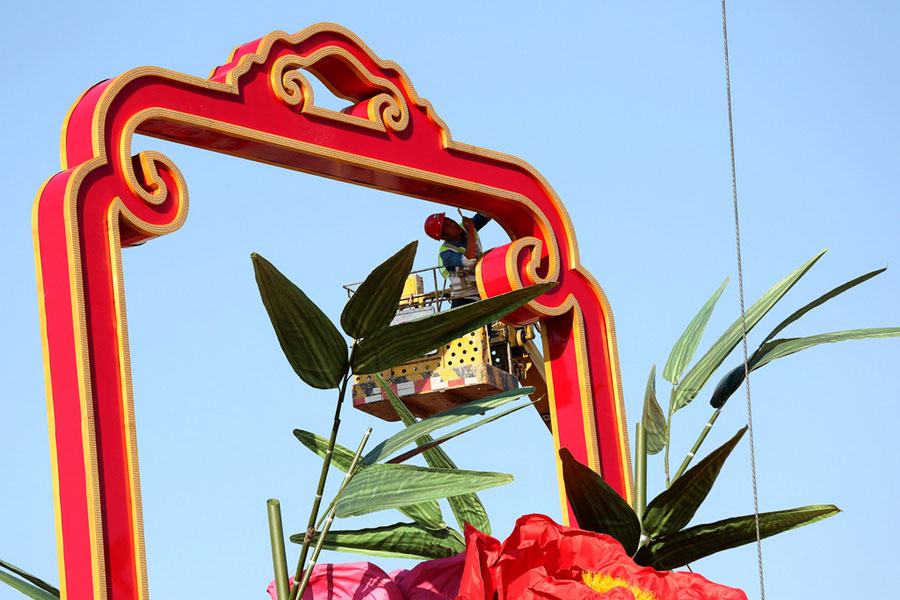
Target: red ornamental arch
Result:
[260, 106]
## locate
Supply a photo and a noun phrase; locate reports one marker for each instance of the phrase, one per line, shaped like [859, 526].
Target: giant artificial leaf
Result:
[312, 344]
[379, 487]
[442, 419]
[686, 346]
[781, 347]
[435, 443]
[785, 346]
[467, 508]
[700, 373]
[401, 540]
[427, 514]
[395, 345]
[822, 300]
[653, 419]
[676, 506]
[596, 505]
[374, 303]
[694, 543]
[26, 583]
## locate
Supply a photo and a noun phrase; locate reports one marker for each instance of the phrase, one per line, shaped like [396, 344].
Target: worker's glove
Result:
[469, 262]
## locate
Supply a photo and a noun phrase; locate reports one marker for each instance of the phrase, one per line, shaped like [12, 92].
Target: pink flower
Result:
[429, 580]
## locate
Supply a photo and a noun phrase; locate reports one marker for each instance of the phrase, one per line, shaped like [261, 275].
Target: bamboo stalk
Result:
[669, 431]
[640, 474]
[326, 463]
[330, 517]
[703, 434]
[279, 559]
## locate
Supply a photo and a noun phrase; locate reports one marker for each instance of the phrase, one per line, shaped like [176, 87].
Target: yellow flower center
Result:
[603, 583]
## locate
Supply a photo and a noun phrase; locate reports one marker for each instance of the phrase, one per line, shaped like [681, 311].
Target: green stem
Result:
[640, 475]
[351, 471]
[690, 455]
[326, 463]
[668, 431]
[279, 560]
[456, 535]
[298, 590]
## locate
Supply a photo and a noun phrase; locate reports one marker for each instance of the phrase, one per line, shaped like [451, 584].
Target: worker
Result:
[458, 254]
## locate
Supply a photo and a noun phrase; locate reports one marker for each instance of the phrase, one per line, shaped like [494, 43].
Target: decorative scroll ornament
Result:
[385, 109]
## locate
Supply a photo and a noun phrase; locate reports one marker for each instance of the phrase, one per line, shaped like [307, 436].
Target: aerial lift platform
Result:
[489, 360]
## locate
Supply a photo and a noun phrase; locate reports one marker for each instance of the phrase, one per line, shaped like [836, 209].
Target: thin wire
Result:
[737, 237]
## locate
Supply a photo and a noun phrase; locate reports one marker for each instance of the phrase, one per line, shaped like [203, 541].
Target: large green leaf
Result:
[785, 346]
[442, 419]
[341, 457]
[400, 540]
[700, 373]
[312, 344]
[435, 443]
[374, 303]
[733, 379]
[653, 419]
[676, 506]
[401, 343]
[32, 591]
[781, 347]
[822, 300]
[389, 486]
[467, 508]
[697, 542]
[26, 583]
[427, 514]
[728, 385]
[686, 346]
[596, 505]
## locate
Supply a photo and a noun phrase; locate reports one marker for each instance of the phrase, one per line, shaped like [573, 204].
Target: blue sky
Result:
[622, 108]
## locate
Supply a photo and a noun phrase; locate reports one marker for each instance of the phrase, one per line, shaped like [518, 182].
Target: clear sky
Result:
[622, 107]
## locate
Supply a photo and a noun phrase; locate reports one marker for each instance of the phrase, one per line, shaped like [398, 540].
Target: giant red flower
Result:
[542, 560]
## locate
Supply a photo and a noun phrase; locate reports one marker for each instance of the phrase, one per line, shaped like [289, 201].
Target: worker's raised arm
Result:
[480, 221]
[471, 248]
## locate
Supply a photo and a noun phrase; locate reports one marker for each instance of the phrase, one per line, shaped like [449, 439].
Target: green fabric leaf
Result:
[374, 303]
[781, 347]
[427, 514]
[434, 443]
[697, 542]
[596, 505]
[467, 508]
[401, 343]
[728, 385]
[389, 486]
[653, 419]
[32, 591]
[312, 344]
[400, 540]
[730, 382]
[26, 583]
[341, 457]
[676, 506]
[822, 300]
[785, 346]
[442, 419]
[686, 346]
[700, 373]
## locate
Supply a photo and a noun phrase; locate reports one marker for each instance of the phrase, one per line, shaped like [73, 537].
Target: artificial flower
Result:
[429, 580]
[542, 560]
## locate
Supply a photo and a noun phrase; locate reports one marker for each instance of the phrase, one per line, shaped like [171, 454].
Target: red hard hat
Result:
[434, 225]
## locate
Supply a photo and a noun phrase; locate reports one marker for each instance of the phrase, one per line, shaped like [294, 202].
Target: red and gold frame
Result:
[260, 106]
